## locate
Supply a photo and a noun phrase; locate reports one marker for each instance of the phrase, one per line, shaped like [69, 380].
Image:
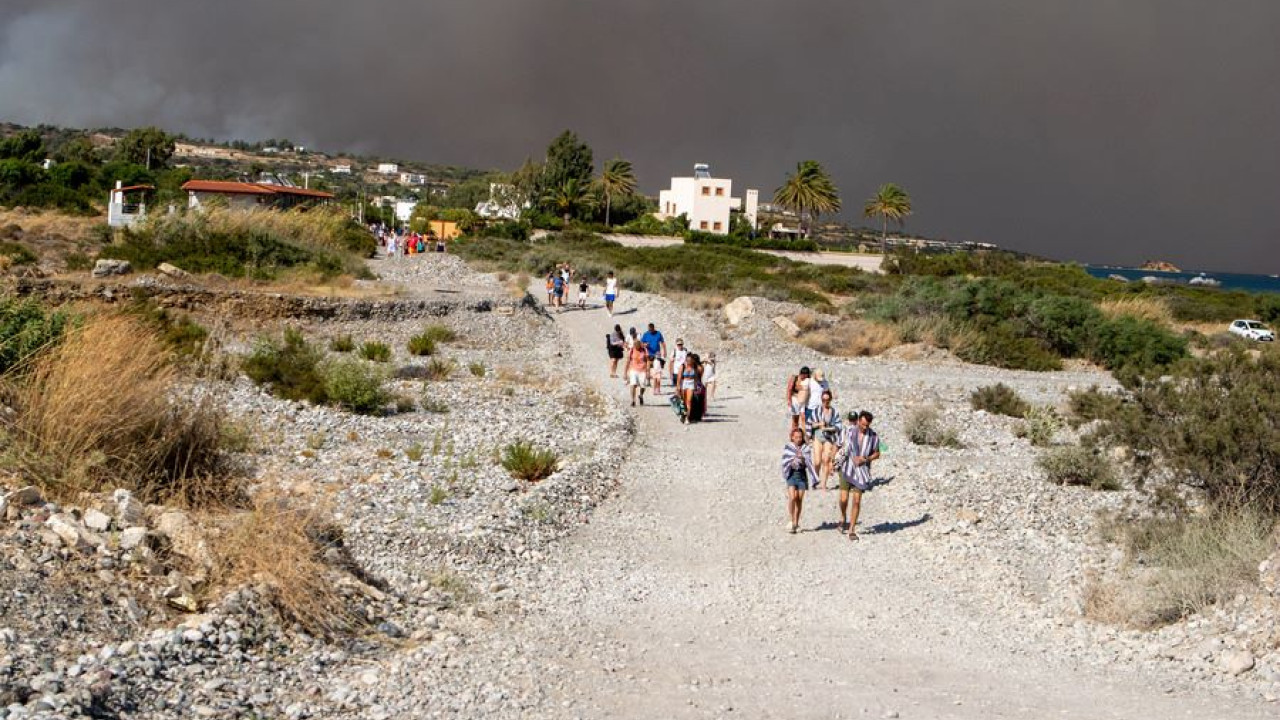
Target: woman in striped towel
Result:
[798, 473]
[859, 445]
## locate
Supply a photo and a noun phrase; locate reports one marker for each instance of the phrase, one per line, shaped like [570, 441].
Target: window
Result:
[719, 192]
[703, 225]
[706, 190]
[716, 227]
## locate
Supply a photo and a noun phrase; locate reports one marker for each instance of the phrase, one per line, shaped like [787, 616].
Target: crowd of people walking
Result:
[401, 242]
[821, 446]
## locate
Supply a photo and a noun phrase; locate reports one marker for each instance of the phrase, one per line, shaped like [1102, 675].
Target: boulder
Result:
[97, 521]
[71, 533]
[172, 271]
[738, 310]
[186, 540]
[132, 537]
[25, 497]
[787, 326]
[107, 268]
[1236, 662]
[129, 512]
[1269, 574]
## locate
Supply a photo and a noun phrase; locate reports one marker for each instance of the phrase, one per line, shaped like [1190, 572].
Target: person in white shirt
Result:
[677, 362]
[610, 291]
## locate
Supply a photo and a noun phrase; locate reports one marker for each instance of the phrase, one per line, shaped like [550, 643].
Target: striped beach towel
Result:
[790, 454]
[857, 443]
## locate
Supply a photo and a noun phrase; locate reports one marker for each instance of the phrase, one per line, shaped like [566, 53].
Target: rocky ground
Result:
[649, 577]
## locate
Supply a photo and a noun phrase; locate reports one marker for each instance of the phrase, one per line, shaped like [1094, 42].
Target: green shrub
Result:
[342, 344]
[289, 369]
[422, 345]
[477, 369]
[1134, 346]
[77, 262]
[183, 335]
[1078, 465]
[1001, 347]
[415, 452]
[375, 351]
[925, 427]
[26, 327]
[18, 254]
[1212, 425]
[355, 386]
[1041, 425]
[1093, 404]
[999, 399]
[438, 369]
[1065, 324]
[528, 463]
[438, 495]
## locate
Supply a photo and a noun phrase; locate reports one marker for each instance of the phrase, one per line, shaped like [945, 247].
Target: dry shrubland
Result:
[1146, 308]
[280, 545]
[851, 338]
[98, 412]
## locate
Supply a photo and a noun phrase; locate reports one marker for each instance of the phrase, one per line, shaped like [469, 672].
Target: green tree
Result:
[150, 147]
[77, 150]
[808, 192]
[889, 203]
[617, 179]
[568, 158]
[527, 181]
[26, 146]
[570, 199]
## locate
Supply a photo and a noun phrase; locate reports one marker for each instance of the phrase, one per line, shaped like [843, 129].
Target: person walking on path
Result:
[817, 384]
[583, 290]
[689, 379]
[559, 287]
[551, 285]
[615, 342]
[610, 291]
[824, 424]
[709, 376]
[798, 474]
[677, 362]
[637, 370]
[859, 446]
[655, 374]
[656, 344]
[797, 397]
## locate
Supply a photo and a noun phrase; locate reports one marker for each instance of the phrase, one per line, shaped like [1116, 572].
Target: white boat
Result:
[1205, 280]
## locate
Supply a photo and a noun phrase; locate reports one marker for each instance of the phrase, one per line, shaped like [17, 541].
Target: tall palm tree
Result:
[890, 202]
[808, 192]
[570, 198]
[617, 178]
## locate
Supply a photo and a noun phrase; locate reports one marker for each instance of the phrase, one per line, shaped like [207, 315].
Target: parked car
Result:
[1252, 330]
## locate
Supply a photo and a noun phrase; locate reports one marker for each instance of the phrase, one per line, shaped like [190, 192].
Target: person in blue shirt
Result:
[656, 344]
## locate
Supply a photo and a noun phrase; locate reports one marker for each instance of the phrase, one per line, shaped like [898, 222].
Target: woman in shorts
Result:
[824, 426]
[709, 376]
[688, 382]
[615, 342]
[610, 291]
[798, 474]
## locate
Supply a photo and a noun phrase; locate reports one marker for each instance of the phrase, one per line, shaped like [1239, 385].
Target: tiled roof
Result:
[243, 188]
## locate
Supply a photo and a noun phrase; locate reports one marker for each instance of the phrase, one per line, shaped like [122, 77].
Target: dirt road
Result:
[686, 598]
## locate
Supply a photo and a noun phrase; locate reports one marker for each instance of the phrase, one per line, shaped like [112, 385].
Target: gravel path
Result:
[685, 597]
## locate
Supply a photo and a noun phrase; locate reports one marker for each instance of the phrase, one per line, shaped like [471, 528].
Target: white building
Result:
[388, 168]
[127, 205]
[705, 200]
[341, 169]
[404, 209]
[408, 178]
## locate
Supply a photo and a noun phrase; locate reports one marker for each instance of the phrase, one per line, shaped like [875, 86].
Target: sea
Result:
[1229, 281]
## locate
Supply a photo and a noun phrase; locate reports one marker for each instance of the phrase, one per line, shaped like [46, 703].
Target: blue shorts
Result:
[610, 298]
[799, 482]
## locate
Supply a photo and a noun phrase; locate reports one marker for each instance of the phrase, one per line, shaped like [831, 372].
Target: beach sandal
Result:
[794, 529]
[854, 536]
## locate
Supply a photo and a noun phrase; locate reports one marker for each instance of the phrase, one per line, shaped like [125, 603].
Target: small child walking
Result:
[583, 291]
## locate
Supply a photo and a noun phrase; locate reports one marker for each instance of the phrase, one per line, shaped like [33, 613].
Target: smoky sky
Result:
[1109, 131]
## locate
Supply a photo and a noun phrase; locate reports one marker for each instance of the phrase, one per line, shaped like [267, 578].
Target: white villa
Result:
[706, 201]
[502, 203]
[127, 205]
[388, 168]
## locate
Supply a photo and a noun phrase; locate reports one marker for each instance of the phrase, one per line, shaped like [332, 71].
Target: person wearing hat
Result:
[817, 385]
[797, 398]
[859, 446]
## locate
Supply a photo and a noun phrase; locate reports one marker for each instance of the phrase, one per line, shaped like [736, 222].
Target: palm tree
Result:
[808, 192]
[889, 203]
[617, 178]
[570, 198]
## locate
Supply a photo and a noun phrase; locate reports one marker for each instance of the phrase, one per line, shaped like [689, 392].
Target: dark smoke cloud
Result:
[1088, 129]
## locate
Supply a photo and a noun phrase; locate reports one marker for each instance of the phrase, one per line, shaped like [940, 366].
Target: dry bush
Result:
[852, 338]
[806, 320]
[1078, 465]
[925, 426]
[1181, 565]
[49, 223]
[98, 412]
[1147, 308]
[281, 545]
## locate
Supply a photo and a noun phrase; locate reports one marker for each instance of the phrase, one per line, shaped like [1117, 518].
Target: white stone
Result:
[1236, 662]
[97, 520]
[171, 270]
[738, 310]
[787, 326]
[132, 537]
[129, 512]
[67, 530]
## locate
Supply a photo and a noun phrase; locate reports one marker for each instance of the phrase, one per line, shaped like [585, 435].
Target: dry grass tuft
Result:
[97, 412]
[851, 338]
[806, 320]
[281, 545]
[51, 223]
[1146, 308]
[1181, 565]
